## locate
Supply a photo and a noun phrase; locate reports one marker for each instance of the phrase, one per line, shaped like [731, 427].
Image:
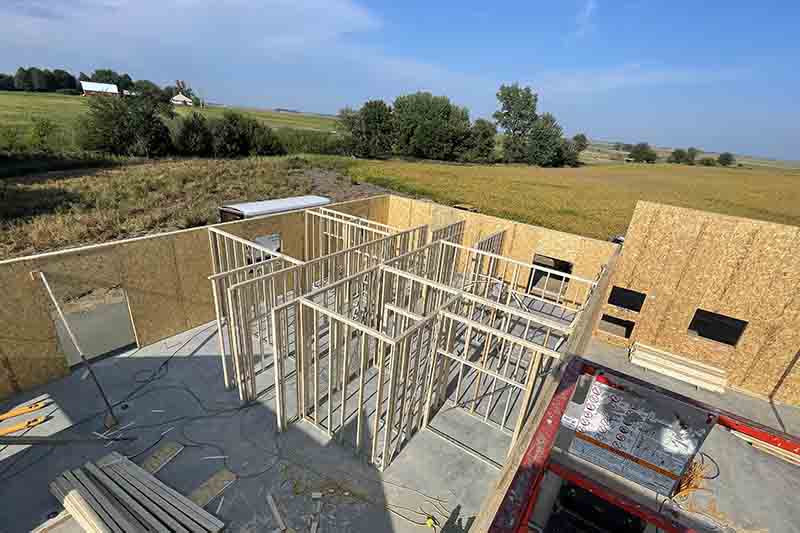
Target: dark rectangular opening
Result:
[717, 327]
[616, 326]
[626, 298]
[554, 283]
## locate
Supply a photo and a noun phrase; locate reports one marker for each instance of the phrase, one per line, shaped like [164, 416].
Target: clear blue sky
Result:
[721, 75]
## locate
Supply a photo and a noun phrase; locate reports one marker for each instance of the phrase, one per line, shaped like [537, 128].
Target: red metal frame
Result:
[524, 488]
[618, 500]
[782, 441]
[519, 501]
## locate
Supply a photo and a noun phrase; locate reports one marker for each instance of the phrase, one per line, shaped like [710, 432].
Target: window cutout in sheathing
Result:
[616, 326]
[626, 298]
[101, 322]
[554, 283]
[717, 327]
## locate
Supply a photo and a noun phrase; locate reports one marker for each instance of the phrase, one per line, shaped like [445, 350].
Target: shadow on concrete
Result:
[160, 397]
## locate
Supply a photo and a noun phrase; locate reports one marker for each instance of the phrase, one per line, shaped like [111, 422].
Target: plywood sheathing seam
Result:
[684, 259]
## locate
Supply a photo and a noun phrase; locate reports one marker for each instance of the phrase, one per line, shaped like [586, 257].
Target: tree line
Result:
[644, 153]
[35, 79]
[424, 126]
[690, 157]
[143, 126]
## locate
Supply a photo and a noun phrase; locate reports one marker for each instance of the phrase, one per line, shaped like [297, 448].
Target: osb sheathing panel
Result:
[165, 277]
[375, 208]
[684, 259]
[155, 292]
[521, 241]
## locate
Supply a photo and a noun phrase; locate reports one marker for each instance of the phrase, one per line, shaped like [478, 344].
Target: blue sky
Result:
[718, 75]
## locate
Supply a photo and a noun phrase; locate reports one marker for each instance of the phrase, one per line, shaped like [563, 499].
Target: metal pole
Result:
[110, 420]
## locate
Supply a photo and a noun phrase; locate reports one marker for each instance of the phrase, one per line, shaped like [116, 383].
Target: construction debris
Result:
[274, 508]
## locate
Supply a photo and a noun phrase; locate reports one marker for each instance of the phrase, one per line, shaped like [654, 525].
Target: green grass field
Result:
[18, 110]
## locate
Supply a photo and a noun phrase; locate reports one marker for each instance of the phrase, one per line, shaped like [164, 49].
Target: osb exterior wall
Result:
[165, 277]
[520, 242]
[684, 259]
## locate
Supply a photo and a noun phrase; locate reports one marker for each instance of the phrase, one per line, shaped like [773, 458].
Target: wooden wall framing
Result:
[165, 277]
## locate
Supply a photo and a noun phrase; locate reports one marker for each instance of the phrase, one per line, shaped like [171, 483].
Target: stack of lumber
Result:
[693, 372]
[114, 495]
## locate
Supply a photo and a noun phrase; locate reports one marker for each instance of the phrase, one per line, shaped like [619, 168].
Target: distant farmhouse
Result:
[91, 88]
[180, 99]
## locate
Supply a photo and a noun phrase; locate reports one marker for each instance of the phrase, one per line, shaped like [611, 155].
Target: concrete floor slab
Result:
[173, 390]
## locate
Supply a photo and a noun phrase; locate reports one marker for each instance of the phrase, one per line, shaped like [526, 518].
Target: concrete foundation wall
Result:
[165, 277]
[683, 260]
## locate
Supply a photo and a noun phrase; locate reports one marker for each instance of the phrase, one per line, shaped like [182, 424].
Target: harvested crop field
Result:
[595, 201]
[59, 209]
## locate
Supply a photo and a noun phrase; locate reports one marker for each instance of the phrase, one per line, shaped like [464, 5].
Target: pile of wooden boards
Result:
[114, 495]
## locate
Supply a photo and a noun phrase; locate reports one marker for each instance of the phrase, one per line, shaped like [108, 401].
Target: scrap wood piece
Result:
[161, 456]
[768, 448]
[274, 507]
[212, 487]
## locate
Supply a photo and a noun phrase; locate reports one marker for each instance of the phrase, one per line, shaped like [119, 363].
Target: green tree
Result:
[643, 153]
[581, 142]
[545, 143]
[678, 155]
[126, 126]
[236, 135]
[63, 80]
[482, 140]
[569, 153]
[726, 159]
[193, 136]
[6, 82]
[23, 80]
[430, 127]
[691, 155]
[38, 79]
[708, 162]
[370, 128]
[517, 116]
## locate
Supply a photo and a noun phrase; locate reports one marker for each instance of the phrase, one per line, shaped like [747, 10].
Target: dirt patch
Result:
[337, 187]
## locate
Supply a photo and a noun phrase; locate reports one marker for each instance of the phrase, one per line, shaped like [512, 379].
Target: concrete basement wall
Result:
[165, 277]
[684, 259]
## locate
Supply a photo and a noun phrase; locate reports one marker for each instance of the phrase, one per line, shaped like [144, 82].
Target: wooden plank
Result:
[180, 501]
[144, 498]
[161, 456]
[130, 502]
[274, 507]
[186, 520]
[212, 487]
[60, 519]
[121, 522]
[77, 506]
